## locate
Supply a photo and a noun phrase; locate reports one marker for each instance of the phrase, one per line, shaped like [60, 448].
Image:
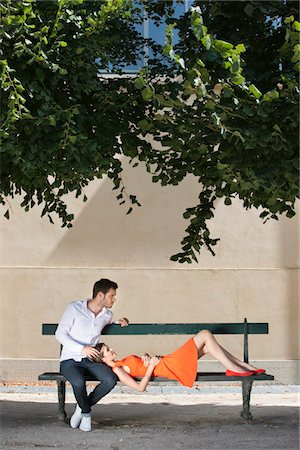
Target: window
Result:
[154, 32]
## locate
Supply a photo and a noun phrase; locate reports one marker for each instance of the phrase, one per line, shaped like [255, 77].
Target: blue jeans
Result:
[75, 372]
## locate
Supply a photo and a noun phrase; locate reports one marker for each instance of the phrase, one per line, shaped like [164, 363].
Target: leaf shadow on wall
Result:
[104, 235]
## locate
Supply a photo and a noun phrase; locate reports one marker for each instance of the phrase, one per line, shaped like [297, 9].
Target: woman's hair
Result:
[100, 347]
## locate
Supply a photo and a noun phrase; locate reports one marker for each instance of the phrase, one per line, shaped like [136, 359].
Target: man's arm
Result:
[62, 331]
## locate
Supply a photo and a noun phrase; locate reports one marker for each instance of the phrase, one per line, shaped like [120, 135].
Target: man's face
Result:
[109, 298]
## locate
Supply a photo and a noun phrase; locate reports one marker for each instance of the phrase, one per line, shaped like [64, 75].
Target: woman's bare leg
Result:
[241, 363]
[206, 343]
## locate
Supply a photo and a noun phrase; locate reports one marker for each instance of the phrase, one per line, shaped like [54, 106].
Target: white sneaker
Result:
[86, 422]
[76, 418]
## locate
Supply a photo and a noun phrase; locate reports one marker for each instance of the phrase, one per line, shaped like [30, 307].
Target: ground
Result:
[204, 419]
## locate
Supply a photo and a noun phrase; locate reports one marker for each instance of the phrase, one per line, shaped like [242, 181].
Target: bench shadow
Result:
[114, 414]
[31, 425]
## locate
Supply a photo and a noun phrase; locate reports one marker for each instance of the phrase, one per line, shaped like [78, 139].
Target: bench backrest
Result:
[244, 328]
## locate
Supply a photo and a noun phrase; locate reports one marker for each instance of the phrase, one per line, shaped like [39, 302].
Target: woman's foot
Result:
[250, 368]
[229, 373]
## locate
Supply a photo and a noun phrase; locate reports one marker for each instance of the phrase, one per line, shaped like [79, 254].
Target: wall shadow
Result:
[104, 235]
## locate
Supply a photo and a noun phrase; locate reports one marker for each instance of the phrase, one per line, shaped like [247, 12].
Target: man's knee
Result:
[111, 379]
[104, 374]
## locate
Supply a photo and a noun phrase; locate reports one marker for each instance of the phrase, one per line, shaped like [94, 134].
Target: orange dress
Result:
[180, 365]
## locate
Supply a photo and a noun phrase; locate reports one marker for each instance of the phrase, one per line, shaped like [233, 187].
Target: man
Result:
[78, 331]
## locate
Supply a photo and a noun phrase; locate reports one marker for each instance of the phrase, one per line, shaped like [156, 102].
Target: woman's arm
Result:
[127, 379]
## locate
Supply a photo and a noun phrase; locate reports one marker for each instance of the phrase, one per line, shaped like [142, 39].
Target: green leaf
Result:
[201, 91]
[52, 121]
[200, 63]
[147, 94]
[222, 45]
[249, 9]
[290, 214]
[145, 125]
[206, 41]
[210, 105]
[296, 67]
[238, 79]
[271, 95]
[296, 25]
[255, 91]
[241, 48]
[289, 19]
[139, 83]
[235, 67]
[248, 110]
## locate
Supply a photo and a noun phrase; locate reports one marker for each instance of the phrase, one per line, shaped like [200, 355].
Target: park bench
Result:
[244, 328]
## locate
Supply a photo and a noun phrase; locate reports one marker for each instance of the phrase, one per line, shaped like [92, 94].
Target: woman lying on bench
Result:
[181, 365]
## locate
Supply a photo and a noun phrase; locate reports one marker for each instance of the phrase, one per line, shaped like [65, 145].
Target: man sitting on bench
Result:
[78, 332]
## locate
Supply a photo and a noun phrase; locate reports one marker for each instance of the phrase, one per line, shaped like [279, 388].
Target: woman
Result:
[181, 365]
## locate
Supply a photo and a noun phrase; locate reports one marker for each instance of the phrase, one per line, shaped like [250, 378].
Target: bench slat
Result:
[172, 328]
[201, 376]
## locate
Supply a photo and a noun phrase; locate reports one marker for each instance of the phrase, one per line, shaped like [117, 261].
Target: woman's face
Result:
[109, 355]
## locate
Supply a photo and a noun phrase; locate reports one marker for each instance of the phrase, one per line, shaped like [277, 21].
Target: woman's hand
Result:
[146, 359]
[154, 361]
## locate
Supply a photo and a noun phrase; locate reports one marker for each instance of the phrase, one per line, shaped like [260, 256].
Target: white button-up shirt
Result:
[79, 327]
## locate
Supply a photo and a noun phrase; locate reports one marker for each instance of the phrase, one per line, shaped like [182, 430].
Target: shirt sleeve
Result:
[62, 331]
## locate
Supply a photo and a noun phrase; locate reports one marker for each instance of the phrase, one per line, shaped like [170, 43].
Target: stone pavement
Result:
[164, 418]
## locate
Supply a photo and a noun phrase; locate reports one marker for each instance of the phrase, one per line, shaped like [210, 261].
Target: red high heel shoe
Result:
[260, 371]
[229, 373]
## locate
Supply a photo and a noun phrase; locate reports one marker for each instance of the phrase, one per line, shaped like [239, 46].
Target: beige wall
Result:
[43, 267]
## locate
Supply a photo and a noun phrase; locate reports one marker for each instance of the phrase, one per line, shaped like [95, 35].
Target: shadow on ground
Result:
[122, 426]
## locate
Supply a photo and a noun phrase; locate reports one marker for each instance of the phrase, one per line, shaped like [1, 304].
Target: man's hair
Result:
[103, 285]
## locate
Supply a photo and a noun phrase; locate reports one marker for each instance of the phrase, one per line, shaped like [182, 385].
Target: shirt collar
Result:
[101, 313]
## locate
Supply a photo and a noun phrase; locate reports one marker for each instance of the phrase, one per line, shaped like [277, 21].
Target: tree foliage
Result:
[221, 104]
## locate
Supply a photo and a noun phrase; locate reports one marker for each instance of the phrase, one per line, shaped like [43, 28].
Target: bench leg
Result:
[246, 386]
[61, 392]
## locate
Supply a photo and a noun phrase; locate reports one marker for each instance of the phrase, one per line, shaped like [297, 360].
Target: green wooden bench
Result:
[244, 328]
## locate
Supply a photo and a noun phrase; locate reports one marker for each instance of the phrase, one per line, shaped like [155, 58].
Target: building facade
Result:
[254, 274]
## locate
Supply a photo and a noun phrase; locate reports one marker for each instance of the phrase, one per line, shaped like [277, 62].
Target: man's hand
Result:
[123, 322]
[90, 352]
